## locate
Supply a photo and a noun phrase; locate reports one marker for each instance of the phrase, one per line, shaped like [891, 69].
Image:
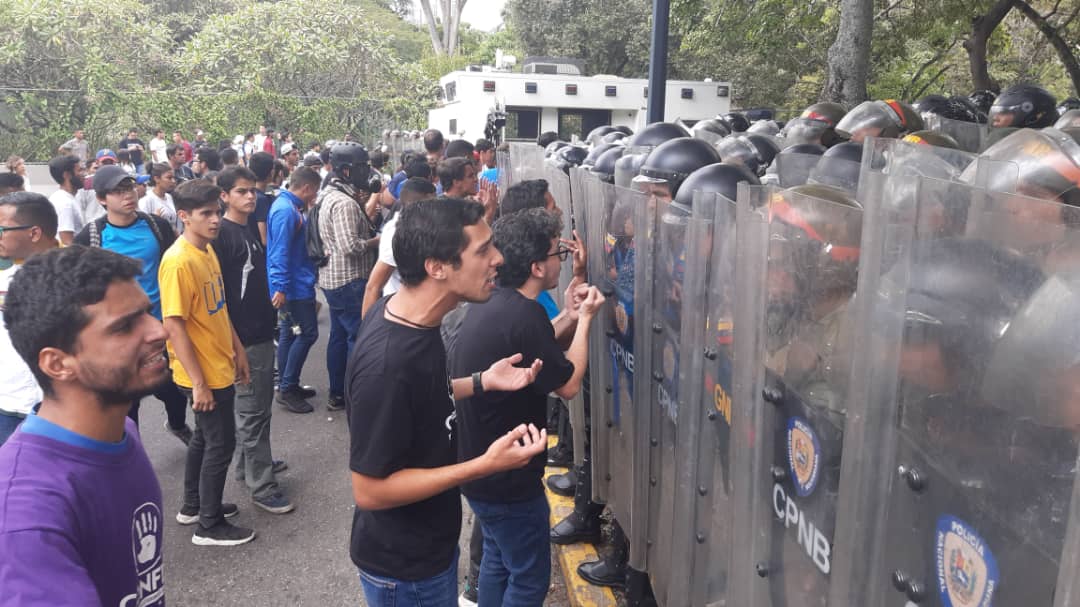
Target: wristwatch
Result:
[477, 385]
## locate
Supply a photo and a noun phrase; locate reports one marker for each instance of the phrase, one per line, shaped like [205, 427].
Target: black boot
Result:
[563, 453]
[563, 484]
[583, 524]
[638, 589]
[610, 570]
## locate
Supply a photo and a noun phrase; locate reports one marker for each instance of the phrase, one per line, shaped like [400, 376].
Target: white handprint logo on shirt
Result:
[146, 549]
[146, 525]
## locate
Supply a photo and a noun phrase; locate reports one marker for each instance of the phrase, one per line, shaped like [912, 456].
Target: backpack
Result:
[95, 227]
[316, 248]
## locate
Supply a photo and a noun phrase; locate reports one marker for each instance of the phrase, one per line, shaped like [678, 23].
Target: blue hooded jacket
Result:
[288, 267]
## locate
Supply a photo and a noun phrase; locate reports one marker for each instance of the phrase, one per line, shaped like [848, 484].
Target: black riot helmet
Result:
[596, 134]
[983, 100]
[569, 156]
[1024, 105]
[604, 167]
[737, 122]
[1046, 164]
[590, 159]
[352, 157]
[627, 168]
[1070, 103]
[945, 107]
[721, 178]
[755, 152]
[961, 294]
[655, 134]
[887, 118]
[629, 132]
[804, 148]
[816, 124]
[934, 138]
[768, 128]
[673, 161]
[980, 116]
[613, 137]
[711, 130]
[792, 166]
[553, 147]
[839, 167]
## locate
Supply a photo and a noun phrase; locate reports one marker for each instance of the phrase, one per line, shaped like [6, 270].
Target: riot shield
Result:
[502, 162]
[966, 389]
[559, 187]
[701, 513]
[970, 135]
[803, 344]
[526, 162]
[794, 169]
[659, 296]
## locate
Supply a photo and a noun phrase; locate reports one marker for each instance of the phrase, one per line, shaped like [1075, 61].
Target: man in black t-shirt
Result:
[242, 256]
[400, 403]
[511, 507]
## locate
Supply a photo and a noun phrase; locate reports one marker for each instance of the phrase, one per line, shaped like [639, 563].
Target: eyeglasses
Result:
[4, 229]
[562, 253]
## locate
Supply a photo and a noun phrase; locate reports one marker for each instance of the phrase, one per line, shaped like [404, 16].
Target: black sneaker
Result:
[294, 401]
[190, 516]
[335, 403]
[222, 534]
[184, 434]
[307, 391]
[274, 504]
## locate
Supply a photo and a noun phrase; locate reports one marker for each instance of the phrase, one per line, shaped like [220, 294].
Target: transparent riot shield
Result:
[659, 296]
[502, 162]
[526, 162]
[559, 187]
[701, 483]
[605, 345]
[804, 342]
[966, 389]
[970, 135]
[794, 169]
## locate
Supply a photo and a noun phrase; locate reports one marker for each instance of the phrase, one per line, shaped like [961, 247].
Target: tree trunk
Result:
[455, 25]
[982, 27]
[849, 56]
[447, 15]
[1053, 35]
[433, 30]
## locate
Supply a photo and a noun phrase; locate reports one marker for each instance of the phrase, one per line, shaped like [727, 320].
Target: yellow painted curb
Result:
[582, 593]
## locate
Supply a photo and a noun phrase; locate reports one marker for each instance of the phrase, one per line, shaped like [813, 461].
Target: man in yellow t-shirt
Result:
[206, 358]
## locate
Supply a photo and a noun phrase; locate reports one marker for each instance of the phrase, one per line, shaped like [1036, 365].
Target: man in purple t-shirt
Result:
[80, 506]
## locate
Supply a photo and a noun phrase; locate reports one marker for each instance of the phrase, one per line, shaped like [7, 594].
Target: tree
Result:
[1053, 33]
[982, 26]
[848, 67]
[450, 10]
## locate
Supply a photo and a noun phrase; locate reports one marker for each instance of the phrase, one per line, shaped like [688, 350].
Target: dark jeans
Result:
[516, 567]
[345, 303]
[438, 591]
[209, 454]
[254, 463]
[293, 349]
[175, 405]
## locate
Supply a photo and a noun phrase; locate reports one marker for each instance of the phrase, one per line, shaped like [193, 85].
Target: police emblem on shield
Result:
[622, 319]
[669, 361]
[966, 569]
[804, 455]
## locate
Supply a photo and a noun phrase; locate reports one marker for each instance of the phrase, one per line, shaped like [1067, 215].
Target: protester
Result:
[67, 172]
[158, 147]
[135, 148]
[158, 199]
[261, 164]
[485, 151]
[401, 414]
[11, 182]
[207, 160]
[80, 518]
[76, 146]
[207, 358]
[292, 282]
[434, 143]
[178, 139]
[27, 228]
[243, 268]
[123, 159]
[457, 177]
[17, 165]
[385, 279]
[511, 507]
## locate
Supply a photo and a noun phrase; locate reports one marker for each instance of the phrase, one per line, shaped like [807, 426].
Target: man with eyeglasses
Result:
[127, 231]
[510, 506]
[176, 155]
[27, 227]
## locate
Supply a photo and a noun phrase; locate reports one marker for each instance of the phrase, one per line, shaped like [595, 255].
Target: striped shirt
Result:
[344, 228]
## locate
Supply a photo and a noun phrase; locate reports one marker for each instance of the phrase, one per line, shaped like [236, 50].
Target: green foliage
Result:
[317, 69]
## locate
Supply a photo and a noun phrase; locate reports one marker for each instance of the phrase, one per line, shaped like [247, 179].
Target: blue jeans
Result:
[293, 349]
[516, 568]
[438, 591]
[345, 303]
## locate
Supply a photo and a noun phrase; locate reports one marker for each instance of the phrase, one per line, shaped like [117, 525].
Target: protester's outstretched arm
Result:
[502, 376]
[410, 485]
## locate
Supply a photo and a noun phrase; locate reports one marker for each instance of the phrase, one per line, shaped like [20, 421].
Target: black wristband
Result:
[477, 385]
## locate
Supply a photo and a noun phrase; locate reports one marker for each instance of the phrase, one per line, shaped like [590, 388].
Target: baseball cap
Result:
[142, 179]
[313, 161]
[106, 154]
[288, 147]
[108, 177]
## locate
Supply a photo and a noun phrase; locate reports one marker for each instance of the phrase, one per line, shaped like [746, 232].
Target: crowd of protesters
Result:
[190, 273]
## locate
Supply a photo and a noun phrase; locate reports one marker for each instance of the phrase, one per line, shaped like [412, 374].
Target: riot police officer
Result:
[1024, 106]
[888, 118]
[816, 124]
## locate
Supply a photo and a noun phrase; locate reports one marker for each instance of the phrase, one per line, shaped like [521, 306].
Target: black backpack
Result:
[316, 249]
[98, 225]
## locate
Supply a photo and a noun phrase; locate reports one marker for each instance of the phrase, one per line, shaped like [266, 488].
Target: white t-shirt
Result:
[164, 208]
[386, 255]
[259, 140]
[158, 149]
[87, 201]
[69, 216]
[21, 391]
